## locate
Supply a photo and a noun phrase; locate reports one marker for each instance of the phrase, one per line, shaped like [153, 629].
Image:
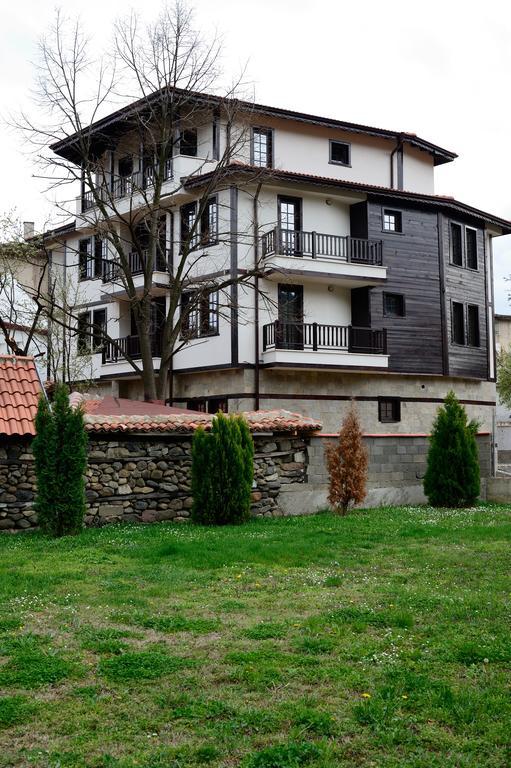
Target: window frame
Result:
[464, 329]
[91, 268]
[469, 333]
[474, 231]
[270, 145]
[401, 296]
[395, 403]
[201, 326]
[211, 232]
[83, 335]
[452, 225]
[346, 144]
[182, 132]
[394, 212]
[98, 345]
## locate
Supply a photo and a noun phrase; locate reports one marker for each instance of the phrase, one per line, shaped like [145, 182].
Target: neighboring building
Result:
[503, 414]
[378, 289]
[20, 334]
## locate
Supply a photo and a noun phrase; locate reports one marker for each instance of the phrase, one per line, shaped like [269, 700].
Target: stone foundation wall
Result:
[145, 479]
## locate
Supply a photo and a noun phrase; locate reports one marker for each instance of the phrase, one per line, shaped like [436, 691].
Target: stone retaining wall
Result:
[146, 478]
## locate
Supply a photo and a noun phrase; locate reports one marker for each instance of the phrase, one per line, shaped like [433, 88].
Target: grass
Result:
[381, 639]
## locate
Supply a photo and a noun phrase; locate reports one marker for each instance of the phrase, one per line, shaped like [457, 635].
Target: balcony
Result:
[129, 346]
[299, 344]
[112, 271]
[124, 186]
[351, 261]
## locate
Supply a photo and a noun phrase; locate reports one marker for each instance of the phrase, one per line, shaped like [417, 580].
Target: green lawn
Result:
[381, 639]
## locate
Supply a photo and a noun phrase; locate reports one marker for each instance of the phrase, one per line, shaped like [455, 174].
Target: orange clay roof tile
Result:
[19, 394]
[187, 422]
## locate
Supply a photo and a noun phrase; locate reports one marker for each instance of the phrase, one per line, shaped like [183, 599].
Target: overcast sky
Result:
[439, 69]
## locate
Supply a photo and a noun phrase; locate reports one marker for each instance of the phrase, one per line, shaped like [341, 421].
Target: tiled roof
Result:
[19, 394]
[122, 406]
[236, 168]
[188, 421]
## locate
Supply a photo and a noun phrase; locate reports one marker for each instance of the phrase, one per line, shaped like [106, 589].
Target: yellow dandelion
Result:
[366, 695]
[404, 696]
[257, 584]
[238, 576]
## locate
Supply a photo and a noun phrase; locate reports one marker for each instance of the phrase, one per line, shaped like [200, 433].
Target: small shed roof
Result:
[20, 389]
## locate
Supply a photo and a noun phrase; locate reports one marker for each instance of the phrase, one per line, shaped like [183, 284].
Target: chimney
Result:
[28, 229]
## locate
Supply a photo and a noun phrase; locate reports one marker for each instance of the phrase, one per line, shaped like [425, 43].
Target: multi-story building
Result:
[372, 287]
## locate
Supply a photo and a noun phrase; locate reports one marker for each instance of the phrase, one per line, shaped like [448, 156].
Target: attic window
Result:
[340, 153]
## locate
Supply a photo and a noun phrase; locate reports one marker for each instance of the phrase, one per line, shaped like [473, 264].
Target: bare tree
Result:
[37, 307]
[167, 70]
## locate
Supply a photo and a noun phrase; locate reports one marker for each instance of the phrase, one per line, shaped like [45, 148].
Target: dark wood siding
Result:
[466, 286]
[414, 342]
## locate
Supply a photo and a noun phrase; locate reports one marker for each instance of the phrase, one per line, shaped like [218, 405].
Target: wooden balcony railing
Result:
[317, 336]
[287, 242]
[129, 346]
[136, 264]
[123, 186]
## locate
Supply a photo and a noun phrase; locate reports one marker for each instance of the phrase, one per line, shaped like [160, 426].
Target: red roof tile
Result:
[19, 394]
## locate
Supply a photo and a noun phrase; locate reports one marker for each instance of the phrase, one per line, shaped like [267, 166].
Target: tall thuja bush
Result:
[222, 471]
[44, 448]
[452, 476]
[60, 451]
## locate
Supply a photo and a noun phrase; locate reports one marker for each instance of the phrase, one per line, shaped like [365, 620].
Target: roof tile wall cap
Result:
[277, 420]
[17, 358]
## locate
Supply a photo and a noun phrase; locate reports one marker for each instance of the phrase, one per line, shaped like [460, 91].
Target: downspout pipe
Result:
[397, 148]
[256, 299]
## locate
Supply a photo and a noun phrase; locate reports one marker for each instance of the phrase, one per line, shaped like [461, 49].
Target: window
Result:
[84, 259]
[340, 153]
[209, 223]
[471, 247]
[91, 254]
[474, 339]
[216, 404]
[262, 147]
[393, 305]
[83, 334]
[196, 405]
[125, 167]
[199, 315]
[389, 409]
[98, 329]
[456, 245]
[188, 213]
[392, 221]
[216, 137]
[458, 323]
[188, 142]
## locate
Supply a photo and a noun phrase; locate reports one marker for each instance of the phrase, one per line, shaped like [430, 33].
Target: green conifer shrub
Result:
[452, 477]
[60, 452]
[222, 472]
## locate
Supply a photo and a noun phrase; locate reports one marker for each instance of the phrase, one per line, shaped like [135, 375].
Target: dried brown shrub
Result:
[347, 465]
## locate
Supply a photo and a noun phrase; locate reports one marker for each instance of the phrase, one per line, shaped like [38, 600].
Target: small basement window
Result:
[392, 221]
[340, 153]
[393, 305]
[389, 409]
